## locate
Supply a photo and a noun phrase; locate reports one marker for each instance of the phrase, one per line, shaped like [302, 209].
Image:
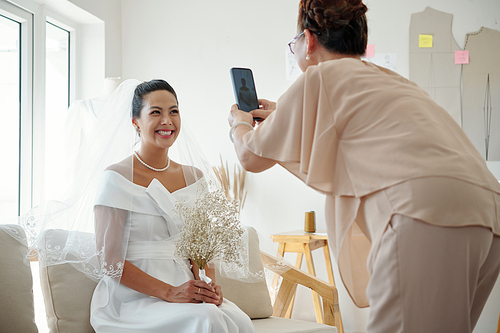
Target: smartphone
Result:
[244, 89]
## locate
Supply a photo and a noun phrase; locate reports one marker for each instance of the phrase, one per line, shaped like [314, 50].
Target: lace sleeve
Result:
[111, 239]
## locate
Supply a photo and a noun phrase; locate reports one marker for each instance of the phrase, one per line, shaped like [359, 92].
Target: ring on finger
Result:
[199, 289]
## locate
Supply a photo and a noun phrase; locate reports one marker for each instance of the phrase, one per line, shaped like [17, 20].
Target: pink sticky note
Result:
[461, 57]
[370, 51]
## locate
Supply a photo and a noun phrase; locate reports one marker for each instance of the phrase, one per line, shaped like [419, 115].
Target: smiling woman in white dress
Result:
[143, 288]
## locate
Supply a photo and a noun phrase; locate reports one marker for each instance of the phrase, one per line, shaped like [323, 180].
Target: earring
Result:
[308, 56]
[137, 130]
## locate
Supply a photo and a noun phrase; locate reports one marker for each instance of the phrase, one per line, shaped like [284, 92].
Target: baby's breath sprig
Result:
[211, 230]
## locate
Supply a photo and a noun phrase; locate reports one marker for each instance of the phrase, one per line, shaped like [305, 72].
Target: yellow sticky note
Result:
[424, 40]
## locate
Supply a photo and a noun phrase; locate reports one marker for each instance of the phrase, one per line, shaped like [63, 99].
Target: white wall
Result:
[194, 44]
[108, 11]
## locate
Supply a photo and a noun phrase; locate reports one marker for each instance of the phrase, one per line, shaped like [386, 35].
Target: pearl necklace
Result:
[149, 166]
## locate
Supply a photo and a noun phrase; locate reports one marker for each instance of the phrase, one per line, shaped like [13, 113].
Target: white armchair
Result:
[17, 312]
[67, 294]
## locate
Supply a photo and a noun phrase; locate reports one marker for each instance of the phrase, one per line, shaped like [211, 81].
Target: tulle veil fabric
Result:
[109, 141]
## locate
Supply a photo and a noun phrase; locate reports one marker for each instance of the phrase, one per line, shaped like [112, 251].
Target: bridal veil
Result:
[110, 140]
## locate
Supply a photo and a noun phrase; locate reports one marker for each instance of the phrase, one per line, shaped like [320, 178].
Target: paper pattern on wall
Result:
[433, 68]
[481, 92]
[386, 60]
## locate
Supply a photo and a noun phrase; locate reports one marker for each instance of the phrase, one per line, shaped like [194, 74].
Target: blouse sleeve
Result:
[301, 135]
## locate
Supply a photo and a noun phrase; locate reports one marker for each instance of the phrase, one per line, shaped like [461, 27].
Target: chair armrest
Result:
[293, 276]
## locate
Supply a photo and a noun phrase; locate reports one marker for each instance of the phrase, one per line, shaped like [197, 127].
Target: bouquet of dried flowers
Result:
[211, 231]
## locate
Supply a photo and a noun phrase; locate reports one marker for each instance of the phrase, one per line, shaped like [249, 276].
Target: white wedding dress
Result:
[154, 228]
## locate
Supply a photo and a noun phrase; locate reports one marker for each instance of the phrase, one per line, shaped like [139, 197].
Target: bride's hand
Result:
[194, 291]
[218, 291]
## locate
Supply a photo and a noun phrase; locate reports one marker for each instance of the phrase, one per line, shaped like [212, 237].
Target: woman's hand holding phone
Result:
[236, 115]
[266, 108]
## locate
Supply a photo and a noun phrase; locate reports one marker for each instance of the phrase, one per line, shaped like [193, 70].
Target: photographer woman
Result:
[412, 210]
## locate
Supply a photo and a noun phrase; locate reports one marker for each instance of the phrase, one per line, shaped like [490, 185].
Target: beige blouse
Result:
[376, 145]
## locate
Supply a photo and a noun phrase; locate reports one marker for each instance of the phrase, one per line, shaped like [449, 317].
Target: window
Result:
[35, 92]
[57, 85]
[15, 101]
[10, 32]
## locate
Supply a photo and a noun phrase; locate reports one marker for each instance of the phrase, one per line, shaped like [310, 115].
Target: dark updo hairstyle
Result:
[145, 88]
[340, 25]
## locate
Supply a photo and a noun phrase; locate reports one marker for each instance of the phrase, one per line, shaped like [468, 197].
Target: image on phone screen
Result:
[244, 89]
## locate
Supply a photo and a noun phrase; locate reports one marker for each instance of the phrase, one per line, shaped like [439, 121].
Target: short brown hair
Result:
[339, 24]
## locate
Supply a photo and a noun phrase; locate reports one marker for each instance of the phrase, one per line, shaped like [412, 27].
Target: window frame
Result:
[39, 127]
[33, 18]
[25, 19]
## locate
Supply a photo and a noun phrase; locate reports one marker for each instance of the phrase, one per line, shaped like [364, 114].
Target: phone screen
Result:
[244, 89]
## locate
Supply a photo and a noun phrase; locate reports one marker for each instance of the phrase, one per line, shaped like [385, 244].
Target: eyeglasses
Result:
[292, 42]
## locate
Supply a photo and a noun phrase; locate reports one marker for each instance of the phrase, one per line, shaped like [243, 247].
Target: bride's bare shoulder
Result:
[192, 170]
[124, 167]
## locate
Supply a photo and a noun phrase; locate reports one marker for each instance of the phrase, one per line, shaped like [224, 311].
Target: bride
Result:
[143, 289]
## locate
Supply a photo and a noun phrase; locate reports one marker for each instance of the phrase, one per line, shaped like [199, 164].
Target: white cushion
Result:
[282, 325]
[251, 298]
[67, 292]
[17, 312]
